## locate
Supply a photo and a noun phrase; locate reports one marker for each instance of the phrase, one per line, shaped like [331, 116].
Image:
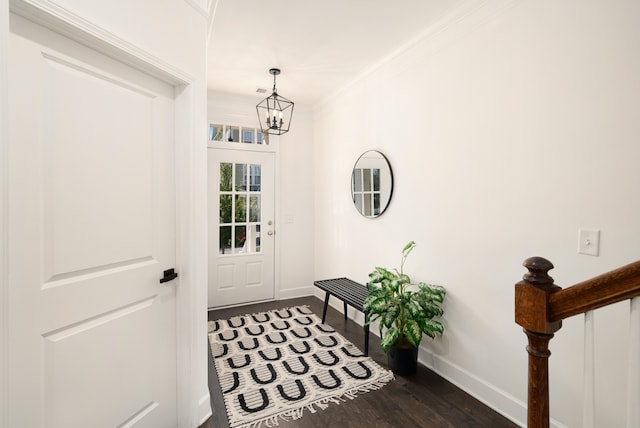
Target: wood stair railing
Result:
[540, 307]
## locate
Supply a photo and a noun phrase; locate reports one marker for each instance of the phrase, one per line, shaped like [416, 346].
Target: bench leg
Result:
[345, 310]
[366, 338]
[324, 311]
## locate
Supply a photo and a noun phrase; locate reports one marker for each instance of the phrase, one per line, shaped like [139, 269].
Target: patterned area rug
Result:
[274, 365]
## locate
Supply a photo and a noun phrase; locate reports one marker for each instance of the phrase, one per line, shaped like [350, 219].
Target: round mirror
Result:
[371, 184]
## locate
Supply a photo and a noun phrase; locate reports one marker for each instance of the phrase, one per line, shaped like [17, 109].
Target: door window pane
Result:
[233, 134]
[241, 177]
[241, 208]
[215, 133]
[254, 209]
[241, 237]
[255, 178]
[225, 177]
[225, 239]
[253, 239]
[225, 209]
[247, 136]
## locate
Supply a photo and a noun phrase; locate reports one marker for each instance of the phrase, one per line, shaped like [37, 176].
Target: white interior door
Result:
[92, 228]
[241, 226]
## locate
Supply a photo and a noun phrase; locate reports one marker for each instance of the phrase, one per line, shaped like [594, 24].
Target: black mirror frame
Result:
[388, 201]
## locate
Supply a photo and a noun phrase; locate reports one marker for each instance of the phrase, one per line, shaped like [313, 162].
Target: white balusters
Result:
[589, 397]
[633, 396]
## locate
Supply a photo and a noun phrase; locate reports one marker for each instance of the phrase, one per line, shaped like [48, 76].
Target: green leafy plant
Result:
[405, 310]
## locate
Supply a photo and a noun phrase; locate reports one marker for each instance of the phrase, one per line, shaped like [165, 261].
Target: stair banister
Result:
[540, 307]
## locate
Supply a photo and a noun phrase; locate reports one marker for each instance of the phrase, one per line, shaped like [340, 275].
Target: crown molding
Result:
[73, 26]
[455, 24]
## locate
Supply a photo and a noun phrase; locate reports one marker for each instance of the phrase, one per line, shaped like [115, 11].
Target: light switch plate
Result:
[589, 242]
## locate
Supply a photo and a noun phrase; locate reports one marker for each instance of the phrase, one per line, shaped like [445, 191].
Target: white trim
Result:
[225, 145]
[198, 8]
[4, 216]
[275, 142]
[191, 251]
[211, 9]
[293, 293]
[633, 388]
[60, 20]
[204, 408]
[443, 31]
[589, 388]
[507, 405]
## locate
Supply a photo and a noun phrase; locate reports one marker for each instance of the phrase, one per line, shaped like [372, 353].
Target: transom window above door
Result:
[237, 134]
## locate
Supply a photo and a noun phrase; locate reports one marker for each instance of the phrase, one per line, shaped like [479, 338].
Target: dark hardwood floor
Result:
[423, 400]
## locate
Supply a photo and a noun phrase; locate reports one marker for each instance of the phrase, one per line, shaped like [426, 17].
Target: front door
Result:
[92, 336]
[241, 226]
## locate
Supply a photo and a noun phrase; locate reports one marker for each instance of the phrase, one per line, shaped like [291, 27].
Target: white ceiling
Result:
[320, 46]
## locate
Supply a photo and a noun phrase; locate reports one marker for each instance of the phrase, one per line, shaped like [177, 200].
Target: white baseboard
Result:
[292, 293]
[507, 405]
[204, 409]
[503, 403]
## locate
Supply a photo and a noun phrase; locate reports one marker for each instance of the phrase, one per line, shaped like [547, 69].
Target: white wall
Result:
[507, 131]
[170, 40]
[294, 189]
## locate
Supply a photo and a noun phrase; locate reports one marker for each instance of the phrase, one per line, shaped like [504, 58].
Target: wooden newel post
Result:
[532, 313]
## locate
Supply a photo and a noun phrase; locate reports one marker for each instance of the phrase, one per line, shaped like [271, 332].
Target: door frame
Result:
[4, 218]
[192, 406]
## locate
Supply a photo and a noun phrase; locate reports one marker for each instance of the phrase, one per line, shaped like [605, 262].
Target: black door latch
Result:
[169, 275]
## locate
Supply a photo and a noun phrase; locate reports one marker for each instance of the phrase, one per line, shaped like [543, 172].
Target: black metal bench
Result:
[351, 293]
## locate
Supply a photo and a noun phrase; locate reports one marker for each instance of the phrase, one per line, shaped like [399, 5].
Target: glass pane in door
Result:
[225, 209]
[225, 239]
[241, 177]
[240, 208]
[254, 178]
[225, 177]
[254, 208]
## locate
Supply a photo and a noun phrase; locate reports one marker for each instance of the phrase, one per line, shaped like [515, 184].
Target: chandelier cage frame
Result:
[275, 111]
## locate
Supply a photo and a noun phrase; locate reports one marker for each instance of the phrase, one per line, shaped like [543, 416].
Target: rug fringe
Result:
[297, 413]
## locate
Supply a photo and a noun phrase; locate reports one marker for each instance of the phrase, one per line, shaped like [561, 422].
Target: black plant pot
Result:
[402, 358]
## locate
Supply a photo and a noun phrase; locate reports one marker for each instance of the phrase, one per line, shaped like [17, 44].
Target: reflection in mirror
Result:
[371, 184]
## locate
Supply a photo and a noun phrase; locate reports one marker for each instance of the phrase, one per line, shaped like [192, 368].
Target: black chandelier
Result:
[275, 111]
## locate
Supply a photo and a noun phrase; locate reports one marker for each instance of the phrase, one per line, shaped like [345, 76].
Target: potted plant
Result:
[405, 311]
